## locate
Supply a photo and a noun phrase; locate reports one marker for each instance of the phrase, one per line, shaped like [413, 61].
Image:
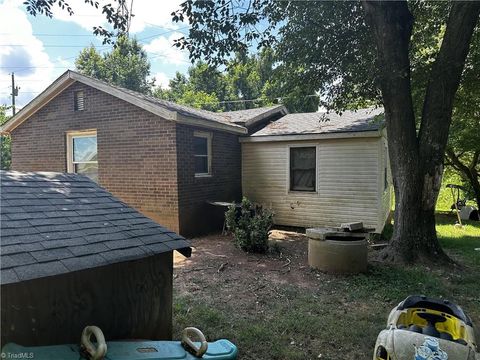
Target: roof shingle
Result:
[323, 123]
[45, 231]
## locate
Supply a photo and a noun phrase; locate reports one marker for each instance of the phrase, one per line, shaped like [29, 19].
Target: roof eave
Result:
[209, 124]
[278, 109]
[69, 77]
[333, 135]
[63, 82]
[146, 105]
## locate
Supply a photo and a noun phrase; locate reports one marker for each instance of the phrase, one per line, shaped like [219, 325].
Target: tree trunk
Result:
[417, 161]
[476, 189]
[414, 237]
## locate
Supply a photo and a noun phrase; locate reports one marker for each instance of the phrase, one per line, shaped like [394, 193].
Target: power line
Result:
[53, 46]
[103, 48]
[54, 35]
[88, 45]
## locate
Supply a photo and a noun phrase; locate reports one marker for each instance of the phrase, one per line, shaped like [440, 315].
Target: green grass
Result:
[340, 317]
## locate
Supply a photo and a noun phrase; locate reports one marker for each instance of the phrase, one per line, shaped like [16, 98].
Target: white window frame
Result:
[76, 134]
[208, 136]
[298, 145]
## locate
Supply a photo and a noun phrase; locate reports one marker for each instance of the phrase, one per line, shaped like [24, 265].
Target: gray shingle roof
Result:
[322, 123]
[243, 116]
[54, 223]
[169, 105]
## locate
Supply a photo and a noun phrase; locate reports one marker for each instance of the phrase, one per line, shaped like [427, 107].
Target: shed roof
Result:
[323, 123]
[53, 223]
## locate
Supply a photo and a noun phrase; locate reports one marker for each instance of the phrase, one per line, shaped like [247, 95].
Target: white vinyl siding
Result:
[385, 192]
[347, 182]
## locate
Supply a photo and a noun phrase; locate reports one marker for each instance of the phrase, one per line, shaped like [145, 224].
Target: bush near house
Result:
[250, 225]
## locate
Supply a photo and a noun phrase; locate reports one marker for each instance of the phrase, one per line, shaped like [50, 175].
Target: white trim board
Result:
[339, 135]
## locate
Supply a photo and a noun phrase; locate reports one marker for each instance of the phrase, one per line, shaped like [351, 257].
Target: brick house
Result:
[166, 160]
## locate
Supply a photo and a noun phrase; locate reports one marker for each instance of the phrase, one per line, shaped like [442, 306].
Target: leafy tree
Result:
[5, 142]
[359, 53]
[90, 62]
[463, 149]
[126, 65]
[247, 82]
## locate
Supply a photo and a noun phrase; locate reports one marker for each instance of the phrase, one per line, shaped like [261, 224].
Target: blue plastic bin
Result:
[123, 350]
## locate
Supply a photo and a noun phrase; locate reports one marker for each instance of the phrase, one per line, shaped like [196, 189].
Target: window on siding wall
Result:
[82, 157]
[202, 144]
[302, 168]
[79, 101]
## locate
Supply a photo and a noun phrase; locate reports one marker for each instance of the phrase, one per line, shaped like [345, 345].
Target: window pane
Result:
[302, 169]
[85, 148]
[90, 170]
[303, 180]
[200, 145]
[201, 165]
[302, 158]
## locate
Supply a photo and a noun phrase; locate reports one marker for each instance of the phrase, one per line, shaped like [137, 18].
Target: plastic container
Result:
[124, 350]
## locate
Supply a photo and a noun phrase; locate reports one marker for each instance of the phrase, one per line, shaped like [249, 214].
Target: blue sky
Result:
[39, 49]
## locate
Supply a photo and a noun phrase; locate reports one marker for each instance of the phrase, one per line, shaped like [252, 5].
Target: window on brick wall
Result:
[302, 168]
[202, 148]
[82, 157]
[79, 101]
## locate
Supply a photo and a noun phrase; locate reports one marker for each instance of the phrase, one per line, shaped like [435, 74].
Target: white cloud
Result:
[147, 13]
[32, 66]
[84, 15]
[161, 49]
[162, 80]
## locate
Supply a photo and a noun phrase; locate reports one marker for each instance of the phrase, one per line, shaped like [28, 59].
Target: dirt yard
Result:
[215, 260]
[275, 307]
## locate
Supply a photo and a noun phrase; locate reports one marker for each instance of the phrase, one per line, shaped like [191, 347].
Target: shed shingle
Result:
[56, 223]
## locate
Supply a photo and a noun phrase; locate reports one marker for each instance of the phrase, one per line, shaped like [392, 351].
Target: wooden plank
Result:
[126, 300]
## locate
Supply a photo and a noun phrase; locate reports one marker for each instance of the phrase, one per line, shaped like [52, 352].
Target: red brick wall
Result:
[196, 215]
[137, 154]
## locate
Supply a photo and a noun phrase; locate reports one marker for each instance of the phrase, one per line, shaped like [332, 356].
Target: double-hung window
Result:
[303, 168]
[202, 148]
[82, 157]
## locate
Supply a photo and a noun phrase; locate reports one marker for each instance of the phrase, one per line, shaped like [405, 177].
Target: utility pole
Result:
[14, 93]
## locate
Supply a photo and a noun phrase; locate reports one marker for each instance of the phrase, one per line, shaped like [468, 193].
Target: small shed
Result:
[73, 255]
[320, 169]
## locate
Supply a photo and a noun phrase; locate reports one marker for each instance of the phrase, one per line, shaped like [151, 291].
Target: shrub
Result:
[250, 225]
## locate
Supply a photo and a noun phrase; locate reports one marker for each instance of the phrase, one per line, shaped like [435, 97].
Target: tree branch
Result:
[476, 157]
[445, 79]
[456, 162]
